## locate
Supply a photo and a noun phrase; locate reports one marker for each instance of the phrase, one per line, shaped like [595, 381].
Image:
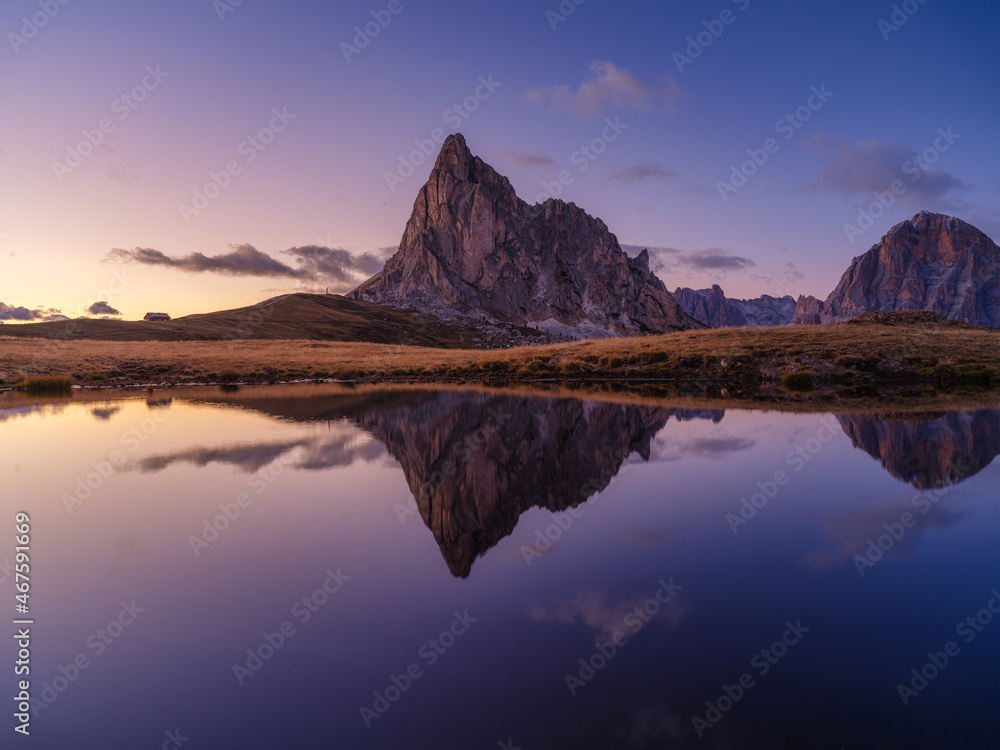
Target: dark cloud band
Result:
[313, 263]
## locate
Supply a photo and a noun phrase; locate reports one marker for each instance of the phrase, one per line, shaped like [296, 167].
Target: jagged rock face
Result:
[473, 247]
[936, 453]
[713, 308]
[931, 262]
[808, 311]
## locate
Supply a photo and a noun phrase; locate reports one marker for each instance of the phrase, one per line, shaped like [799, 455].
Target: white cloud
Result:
[610, 85]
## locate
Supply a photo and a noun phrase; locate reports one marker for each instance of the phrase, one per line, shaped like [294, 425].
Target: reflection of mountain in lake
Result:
[476, 462]
[933, 453]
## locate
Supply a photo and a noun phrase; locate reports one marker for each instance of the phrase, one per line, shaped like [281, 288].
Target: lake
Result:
[333, 567]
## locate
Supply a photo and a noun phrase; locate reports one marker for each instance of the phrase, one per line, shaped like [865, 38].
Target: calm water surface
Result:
[327, 568]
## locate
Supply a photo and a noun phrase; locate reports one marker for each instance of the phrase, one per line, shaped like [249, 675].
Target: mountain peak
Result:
[472, 248]
[928, 220]
[455, 144]
[455, 158]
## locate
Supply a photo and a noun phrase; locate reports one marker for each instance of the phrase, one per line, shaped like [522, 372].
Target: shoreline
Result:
[917, 407]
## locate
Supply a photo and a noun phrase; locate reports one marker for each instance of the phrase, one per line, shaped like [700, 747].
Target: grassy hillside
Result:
[290, 316]
[917, 352]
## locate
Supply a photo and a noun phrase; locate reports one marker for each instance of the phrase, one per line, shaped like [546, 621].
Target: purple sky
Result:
[304, 136]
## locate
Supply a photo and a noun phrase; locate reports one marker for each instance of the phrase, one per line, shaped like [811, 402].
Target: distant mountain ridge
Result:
[472, 248]
[929, 262]
[713, 308]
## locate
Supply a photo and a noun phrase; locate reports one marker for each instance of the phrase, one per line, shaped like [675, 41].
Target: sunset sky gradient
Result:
[313, 208]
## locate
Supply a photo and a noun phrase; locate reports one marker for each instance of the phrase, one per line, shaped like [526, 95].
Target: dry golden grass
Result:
[839, 354]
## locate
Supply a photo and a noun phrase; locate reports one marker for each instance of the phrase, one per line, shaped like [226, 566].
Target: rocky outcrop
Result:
[931, 262]
[808, 311]
[713, 308]
[929, 454]
[473, 248]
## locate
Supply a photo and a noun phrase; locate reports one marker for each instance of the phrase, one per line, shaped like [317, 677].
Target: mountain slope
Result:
[473, 248]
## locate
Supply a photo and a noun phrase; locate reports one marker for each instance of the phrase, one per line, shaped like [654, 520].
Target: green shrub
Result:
[95, 376]
[799, 380]
[47, 386]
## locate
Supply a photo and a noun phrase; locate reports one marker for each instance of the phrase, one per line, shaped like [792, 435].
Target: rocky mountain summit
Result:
[713, 308]
[472, 248]
[930, 262]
